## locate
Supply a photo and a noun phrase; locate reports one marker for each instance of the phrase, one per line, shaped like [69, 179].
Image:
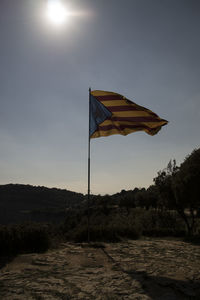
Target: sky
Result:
[146, 50]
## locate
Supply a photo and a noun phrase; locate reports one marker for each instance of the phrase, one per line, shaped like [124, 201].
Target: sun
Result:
[56, 12]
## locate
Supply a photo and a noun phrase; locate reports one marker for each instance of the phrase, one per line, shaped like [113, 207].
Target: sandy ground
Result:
[142, 269]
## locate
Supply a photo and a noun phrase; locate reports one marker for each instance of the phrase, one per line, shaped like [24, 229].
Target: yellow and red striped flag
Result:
[112, 113]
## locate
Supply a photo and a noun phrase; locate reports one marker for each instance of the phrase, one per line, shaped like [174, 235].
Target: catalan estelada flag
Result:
[112, 113]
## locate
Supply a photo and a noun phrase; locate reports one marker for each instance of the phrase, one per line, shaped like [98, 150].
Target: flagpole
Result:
[88, 198]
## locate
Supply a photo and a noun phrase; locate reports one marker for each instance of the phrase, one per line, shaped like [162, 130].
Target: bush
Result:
[118, 225]
[96, 233]
[27, 238]
[111, 228]
[162, 223]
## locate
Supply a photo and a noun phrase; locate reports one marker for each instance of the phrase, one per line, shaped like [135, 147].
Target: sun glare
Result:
[56, 12]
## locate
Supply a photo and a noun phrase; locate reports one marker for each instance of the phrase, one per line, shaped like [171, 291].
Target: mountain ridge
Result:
[25, 202]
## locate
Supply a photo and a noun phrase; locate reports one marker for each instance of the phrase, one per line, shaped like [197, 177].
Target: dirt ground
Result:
[142, 269]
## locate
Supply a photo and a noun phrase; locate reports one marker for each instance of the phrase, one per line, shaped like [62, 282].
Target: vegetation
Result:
[24, 238]
[25, 203]
[169, 207]
[178, 189]
[119, 224]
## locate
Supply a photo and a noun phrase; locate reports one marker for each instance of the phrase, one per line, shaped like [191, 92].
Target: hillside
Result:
[19, 203]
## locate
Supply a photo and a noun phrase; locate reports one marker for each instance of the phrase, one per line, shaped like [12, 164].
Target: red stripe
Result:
[128, 107]
[119, 97]
[153, 116]
[122, 127]
[109, 97]
[136, 119]
[121, 108]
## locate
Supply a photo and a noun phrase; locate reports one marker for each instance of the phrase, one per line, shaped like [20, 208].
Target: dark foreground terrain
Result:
[142, 269]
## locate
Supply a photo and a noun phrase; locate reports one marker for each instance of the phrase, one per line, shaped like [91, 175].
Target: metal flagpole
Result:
[88, 199]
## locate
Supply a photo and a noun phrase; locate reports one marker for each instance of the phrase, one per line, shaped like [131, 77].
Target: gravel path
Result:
[142, 269]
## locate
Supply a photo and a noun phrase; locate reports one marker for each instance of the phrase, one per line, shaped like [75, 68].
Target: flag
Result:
[112, 113]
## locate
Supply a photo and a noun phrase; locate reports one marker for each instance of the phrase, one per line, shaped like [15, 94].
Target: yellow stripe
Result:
[115, 103]
[115, 131]
[131, 113]
[124, 103]
[107, 122]
[106, 93]
[121, 123]
[102, 93]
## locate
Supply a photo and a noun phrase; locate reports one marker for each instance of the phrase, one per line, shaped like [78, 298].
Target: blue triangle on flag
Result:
[98, 114]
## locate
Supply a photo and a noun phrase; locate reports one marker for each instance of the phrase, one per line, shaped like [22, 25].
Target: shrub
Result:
[105, 229]
[162, 223]
[27, 238]
[118, 225]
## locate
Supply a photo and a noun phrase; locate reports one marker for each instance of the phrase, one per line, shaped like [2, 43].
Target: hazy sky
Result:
[147, 50]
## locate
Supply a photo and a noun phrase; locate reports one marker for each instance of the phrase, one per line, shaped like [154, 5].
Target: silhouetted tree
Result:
[152, 196]
[141, 199]
[179, 188]
[163, 182]
[127, 199]
[186, 189]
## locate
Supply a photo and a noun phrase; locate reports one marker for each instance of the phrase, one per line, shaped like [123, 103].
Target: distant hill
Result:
[20, 203]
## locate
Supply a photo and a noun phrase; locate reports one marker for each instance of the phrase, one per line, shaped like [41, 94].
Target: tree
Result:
[141, 199]
[186, 189]
[179, 188]
[127, 199]
[163, 182]
[152, 196]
